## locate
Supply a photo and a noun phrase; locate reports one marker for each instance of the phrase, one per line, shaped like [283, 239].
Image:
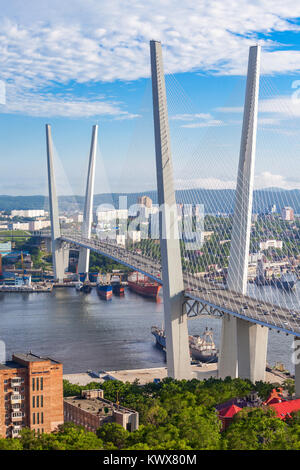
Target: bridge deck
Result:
[211, 294]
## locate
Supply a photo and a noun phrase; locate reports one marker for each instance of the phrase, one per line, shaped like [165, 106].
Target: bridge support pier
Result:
[252, 343]
[57, 250]
[178, 356]
[84, 253]
[227, 365]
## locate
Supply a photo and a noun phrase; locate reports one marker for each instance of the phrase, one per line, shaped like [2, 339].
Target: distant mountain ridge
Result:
[214, 200]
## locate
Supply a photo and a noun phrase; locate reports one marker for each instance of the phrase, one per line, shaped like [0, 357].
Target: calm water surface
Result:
[85, 332]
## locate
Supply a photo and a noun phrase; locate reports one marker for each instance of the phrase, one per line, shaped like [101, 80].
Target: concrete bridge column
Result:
[245, 346]
[227, 365]
[57, 252]
[252, 342]
[177, 345]
[84, 253]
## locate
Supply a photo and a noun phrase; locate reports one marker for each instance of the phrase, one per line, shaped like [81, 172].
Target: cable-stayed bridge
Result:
[245, 320]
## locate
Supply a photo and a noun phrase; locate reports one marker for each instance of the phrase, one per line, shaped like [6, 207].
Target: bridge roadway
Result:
[212, 296]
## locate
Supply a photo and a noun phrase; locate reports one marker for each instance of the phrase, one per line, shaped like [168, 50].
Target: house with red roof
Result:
[284, 409]
[226, 415]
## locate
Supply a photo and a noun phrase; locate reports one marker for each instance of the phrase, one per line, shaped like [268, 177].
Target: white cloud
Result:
[208, 123]
[190, 117]
[197, 120]
[267, 179]
[84, 41]
[262, 180]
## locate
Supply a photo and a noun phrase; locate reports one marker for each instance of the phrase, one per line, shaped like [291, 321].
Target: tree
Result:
[112, 433]
[257, 429]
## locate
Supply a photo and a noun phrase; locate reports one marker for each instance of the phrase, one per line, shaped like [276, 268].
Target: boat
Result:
[78, 286]
[104, 291]
[86, 287]
[143, 285]
[286, 281]
[117, 287]
[104, 287]
[202, 348]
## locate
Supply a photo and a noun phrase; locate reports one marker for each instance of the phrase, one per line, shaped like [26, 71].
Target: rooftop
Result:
[11, 365]
[24, 357]
[97, 406]
[30, 357]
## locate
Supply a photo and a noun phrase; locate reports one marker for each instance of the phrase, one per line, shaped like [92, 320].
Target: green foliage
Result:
[289, 386]
[113, 434]
[258, 429]
[174, 415]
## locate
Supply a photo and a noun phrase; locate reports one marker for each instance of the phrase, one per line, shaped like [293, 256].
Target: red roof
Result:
[274, 397]
[230, 411]
[286, 407]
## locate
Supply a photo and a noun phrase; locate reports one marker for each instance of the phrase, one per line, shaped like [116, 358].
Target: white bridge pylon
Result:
[60, 253]
[244, 345]
[84, 254]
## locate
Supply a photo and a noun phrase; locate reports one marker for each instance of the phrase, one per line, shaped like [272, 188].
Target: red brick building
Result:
[31, 394]
[91, 410]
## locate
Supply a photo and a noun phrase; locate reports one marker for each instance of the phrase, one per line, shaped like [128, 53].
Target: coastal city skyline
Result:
[149, 228]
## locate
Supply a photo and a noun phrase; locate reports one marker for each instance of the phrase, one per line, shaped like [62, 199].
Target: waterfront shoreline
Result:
[147, 375]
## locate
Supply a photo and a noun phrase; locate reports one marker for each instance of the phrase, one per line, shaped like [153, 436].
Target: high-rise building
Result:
[287, 213]
[31, 394]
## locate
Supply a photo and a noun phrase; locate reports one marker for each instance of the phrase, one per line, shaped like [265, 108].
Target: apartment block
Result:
[31, 394]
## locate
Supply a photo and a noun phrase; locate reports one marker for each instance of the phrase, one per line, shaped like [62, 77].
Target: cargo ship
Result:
[143, 285]
[104, 291]
[202, 348]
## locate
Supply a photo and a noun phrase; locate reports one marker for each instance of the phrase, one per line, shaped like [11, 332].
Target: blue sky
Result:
[74, 64]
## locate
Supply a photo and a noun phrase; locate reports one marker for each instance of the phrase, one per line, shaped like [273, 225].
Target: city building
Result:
[287, 213]
[18, 226]
[78, 217]
[265, 245]
[28, 213]
[134, 235]
[38, 224]
[110, 214]
[31, 394]
[92, 410]
[145, 201]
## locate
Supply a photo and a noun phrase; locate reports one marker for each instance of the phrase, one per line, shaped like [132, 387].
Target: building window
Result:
[33, 383]
[33, 418]
[42, 418]
[42, 383]
[37, 383]
[33, 402]
[42, 401]
[37, 401]
[38, 418]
